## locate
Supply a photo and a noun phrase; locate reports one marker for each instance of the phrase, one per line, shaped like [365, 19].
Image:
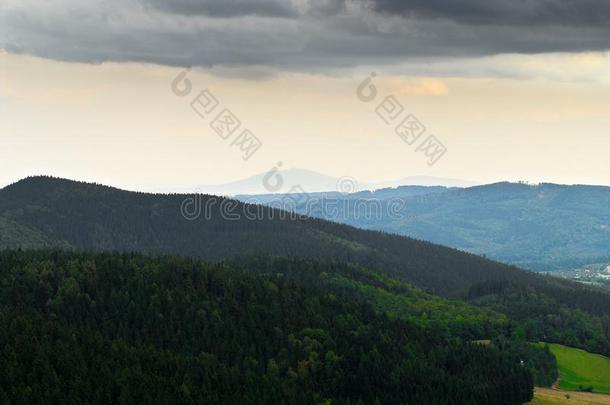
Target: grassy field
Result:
[580, 368]
[547, 396]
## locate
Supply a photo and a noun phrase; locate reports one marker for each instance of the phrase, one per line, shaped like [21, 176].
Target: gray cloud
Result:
[503, 12]
[297, 35]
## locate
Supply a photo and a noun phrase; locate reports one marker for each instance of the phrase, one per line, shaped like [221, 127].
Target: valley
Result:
[597, 274]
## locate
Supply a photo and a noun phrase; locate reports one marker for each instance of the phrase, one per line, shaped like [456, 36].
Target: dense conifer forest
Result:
[124, 328]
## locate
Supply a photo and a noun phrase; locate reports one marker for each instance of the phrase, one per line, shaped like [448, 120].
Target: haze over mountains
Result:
[311, 182]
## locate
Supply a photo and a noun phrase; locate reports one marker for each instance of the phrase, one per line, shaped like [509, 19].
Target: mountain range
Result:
[284, 306]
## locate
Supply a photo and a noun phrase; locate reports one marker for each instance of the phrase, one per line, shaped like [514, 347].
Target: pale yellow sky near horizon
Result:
[120, 124]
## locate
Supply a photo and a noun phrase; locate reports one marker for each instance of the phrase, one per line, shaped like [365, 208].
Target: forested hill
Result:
[42, 212]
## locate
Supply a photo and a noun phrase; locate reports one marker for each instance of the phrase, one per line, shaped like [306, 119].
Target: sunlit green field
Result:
[578, 368]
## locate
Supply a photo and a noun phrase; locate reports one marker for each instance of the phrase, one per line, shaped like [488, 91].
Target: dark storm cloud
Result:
[503, 12]
[298, 35]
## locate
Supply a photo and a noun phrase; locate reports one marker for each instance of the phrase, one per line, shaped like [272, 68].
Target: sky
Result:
[100, 90]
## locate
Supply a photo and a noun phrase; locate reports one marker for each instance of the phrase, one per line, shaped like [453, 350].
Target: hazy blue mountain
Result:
[541, 227]
[426, 181]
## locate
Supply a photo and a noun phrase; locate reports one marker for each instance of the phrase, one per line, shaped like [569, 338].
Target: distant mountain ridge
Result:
[378, 194]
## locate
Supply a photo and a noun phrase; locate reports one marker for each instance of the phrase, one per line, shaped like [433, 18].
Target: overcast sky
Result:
[514, 89]
[302, 35]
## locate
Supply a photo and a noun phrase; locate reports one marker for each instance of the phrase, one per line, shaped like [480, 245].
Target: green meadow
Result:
[578, 368]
